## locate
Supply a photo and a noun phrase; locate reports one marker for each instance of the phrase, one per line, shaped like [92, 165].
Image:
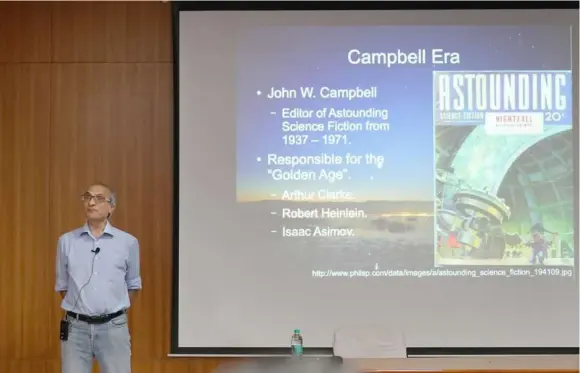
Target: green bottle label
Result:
[297, 349]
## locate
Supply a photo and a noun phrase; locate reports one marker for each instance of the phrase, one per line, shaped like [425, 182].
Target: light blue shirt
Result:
[115, 270]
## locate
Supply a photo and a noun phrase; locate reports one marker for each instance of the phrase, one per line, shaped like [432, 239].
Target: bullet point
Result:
[259, 93]
[259, 159]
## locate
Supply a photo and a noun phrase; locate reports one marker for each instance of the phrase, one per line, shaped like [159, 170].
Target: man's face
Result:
[97, 201]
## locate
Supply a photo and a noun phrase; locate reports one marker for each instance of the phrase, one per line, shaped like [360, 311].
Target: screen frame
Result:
[198, 6]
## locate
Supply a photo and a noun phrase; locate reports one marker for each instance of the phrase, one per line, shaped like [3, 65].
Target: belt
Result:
[101, 319]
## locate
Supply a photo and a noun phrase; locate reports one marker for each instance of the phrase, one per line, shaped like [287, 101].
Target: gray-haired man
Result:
[97, 272]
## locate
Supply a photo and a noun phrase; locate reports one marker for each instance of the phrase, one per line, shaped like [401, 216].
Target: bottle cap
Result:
[296, 331]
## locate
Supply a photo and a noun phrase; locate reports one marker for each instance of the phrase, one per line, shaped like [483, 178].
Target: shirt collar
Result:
[108, 229]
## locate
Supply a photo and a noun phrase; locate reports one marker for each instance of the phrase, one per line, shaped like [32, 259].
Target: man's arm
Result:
[133, 275]
[61, 284]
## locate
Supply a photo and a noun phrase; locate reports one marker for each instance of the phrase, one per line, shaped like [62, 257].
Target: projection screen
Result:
[412, 169]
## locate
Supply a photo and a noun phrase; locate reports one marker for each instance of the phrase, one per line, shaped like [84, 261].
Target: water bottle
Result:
[296, 343]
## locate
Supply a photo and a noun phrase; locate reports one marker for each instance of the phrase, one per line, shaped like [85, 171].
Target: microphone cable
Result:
[96, 251]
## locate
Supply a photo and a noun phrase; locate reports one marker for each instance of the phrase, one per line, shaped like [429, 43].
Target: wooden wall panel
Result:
[24, 196]
[24, 366]
[111, 32]
[98, 106]
[25, 32]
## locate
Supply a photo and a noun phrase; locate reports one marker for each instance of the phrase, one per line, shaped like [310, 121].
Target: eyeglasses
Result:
[99, 198]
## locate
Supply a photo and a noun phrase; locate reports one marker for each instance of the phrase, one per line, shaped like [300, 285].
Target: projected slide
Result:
[390, 168]
[409, 151]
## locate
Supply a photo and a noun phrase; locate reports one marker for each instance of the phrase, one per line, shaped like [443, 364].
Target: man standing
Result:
[97, 274]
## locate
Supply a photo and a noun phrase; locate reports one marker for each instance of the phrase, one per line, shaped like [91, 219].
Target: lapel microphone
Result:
[96, 251]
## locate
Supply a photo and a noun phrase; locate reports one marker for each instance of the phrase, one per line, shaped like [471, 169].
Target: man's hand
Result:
[132, 295]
